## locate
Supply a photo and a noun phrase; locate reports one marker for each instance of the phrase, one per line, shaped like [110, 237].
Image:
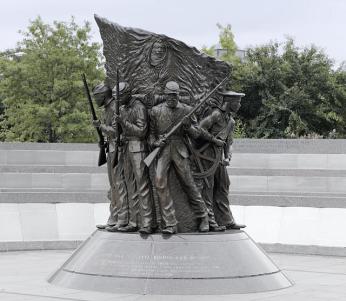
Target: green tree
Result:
[227, 43]
[291, 92]
[40, 84]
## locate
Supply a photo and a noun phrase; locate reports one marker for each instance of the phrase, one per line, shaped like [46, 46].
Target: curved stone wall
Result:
[290, 193]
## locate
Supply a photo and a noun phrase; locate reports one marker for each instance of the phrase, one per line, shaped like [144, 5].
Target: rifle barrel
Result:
[178, 125]
[87, 92]
[150, 158]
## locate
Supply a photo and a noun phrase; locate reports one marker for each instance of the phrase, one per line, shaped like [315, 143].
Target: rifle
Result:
[117, 127]
[150, 158]
[102, 154]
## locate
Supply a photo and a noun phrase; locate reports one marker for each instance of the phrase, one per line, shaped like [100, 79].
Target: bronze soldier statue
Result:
[174, 153]
[220, 124]
[118, 193]
[134, 123]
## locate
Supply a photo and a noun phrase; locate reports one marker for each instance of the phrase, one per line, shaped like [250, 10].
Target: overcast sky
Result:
[254, 22]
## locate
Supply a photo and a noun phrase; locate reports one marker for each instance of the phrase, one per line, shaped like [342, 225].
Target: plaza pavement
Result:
[23, 278]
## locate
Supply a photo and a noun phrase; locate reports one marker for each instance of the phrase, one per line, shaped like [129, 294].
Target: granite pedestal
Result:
[183, 264]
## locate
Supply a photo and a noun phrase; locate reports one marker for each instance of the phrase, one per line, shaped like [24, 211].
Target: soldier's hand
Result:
[186, 121]
[116, 118]
[218, 142]
[159, 143]
[212, 102]
[104, 144]
[96, 123]
[225, 162]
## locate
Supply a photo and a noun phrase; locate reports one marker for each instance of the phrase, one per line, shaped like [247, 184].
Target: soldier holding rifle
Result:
[134, 123]
[118, 193]
[169, 123]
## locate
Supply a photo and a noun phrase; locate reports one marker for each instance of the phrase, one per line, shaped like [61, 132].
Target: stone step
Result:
[52, 169]
[49, 157]
[277, 199]
[286, 172]
[239, 160]
[290, 146]
[231, 170]
[288, 199]
[289, 161]
[249, 183]
[67, 181]
[250, 160]
[320, 184]
[53, 196]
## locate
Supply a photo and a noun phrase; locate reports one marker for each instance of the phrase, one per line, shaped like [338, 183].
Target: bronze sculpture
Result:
[175, 153]
[117, 192]
[219, 123]
[134, 123]
[166, 110]
[173, 129]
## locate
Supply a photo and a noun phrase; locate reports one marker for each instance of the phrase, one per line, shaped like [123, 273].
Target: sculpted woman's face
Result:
[158, 53]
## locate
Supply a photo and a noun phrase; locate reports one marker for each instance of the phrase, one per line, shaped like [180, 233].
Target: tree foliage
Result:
[290, 91]
[40, 84]
[227, 43]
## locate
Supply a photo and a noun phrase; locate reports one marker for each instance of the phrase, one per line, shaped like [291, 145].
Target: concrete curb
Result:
[271, 248]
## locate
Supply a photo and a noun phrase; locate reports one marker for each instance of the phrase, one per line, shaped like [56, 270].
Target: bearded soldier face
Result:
[124, 98]
[172, 100]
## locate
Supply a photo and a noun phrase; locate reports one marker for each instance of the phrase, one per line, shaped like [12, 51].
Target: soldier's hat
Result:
[123, 88]
[232, 94]
[172, 87]
[100, 89]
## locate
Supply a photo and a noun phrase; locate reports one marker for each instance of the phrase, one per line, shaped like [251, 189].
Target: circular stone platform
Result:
[197, 264]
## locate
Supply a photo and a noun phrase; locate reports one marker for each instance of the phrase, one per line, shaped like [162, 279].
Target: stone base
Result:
[183, 264]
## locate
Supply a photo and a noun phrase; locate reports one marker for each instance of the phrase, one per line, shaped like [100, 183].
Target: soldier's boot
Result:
[105, 226]
[235, 226]
[146, 230]
[112, 228]
[216, 228]
[128, 228]
[101, 227]
[169, 230]
[204, 224]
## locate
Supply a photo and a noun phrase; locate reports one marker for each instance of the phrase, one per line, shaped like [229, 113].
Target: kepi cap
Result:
[123, 88]
[172, 87]
[100, 89]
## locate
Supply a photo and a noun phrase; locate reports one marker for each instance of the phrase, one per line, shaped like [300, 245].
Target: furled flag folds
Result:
[147, 61]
